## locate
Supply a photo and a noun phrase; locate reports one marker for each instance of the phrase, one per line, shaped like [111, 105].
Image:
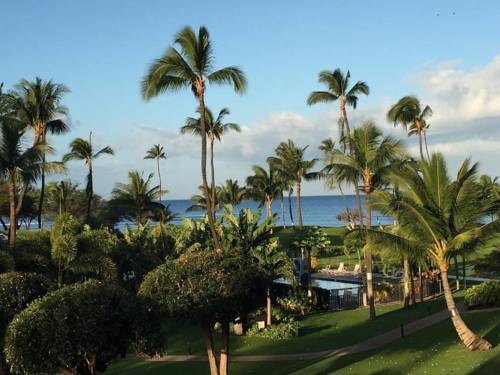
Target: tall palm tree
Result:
[215, 129]
[338, 89]
[290, 161]
[157, 152]
[264, 186]
[81, 149]
[192, 67]
[372, 157]
[17, 164]
[442, 217]
[136, 200]
[231, 193]
[38, 105]
[408, 111]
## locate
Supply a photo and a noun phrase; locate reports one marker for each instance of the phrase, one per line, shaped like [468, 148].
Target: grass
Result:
[434, 350]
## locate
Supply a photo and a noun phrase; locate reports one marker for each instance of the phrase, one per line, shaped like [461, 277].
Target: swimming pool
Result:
[327, 284]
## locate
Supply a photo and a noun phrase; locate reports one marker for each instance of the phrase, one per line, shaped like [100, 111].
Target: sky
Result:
[445, 52]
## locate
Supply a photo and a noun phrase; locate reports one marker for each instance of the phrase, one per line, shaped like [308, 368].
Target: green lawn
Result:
[434, 350]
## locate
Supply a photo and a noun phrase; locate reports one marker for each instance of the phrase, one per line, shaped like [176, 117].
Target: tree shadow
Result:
[312, 329]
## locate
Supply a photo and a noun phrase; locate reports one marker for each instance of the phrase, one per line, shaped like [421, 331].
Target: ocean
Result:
[316, 210]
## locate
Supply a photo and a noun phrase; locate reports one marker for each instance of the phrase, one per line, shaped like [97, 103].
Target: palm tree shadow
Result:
[313, 329]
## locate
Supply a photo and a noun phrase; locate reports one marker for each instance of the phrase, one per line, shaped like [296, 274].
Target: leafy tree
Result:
[408, 111]
[18, 163]
[37, 105]
[264, 186]
[78, 328]
[136, 200]
[205, 287]
[192, 67]
[294, 168]
[371, 159]
[441, 216]
[157, 152]
[338, 89]
[17, 290]
[215, 129]
[81, 149]
[273, 263]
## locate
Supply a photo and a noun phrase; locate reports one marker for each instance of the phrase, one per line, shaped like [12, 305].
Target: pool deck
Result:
[354, 278]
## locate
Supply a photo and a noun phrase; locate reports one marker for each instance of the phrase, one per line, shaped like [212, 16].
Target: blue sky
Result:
[440, 50]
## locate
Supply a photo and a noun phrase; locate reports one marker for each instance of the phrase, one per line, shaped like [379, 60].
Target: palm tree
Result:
[215, 129]
[372, 157]
[157, 152]
[264, 186]
[192, 67]
[273, 263]
[200, 203]
[442, 217]
[408, 111]
[60, 191]
[290, 161]
[231, 193]
[81, 149]
[136, 200]
[17, 164]
[338, 89]
[38, 105]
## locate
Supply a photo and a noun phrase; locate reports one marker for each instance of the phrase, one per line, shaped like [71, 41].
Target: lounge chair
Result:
[341, 268]
[357, 268]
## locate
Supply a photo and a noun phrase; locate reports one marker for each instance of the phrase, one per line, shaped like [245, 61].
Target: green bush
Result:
[281, 331]
[483, 295]
[32, 252]
[76, 328]
[7, 262]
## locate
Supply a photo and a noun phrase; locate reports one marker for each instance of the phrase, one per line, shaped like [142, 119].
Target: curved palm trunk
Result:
[406, 281]
[469, 338]
[369, 259]
[299, 206]
[212, 173]
[12, 211]
[203, 131]
[290, 206]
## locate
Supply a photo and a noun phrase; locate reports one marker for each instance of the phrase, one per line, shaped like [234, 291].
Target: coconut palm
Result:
[200, 203]
[81, 149]
[215, 129]
[372, 157]
[231, 193]
[273, 263]
[136, 200]
[338, 89]
[440, 216]
[192, 67]
[408, 111]
[18, 164]
[38, 105]
[264, 186]
[290, 161]
[157, 152]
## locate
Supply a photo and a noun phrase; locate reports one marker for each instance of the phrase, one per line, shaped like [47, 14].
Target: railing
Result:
[348, 298]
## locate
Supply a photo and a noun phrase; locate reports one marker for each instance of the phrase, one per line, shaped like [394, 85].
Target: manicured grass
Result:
[434, 350]
[318, 332]
[288, 235]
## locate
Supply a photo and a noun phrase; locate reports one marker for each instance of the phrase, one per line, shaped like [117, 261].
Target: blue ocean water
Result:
[316, 210]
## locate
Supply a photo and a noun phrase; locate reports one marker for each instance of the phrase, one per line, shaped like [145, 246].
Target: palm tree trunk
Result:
[90, 191]
[203, 131]
[283, 210]
[12, 211]
[42, 194]
[406, 281]
[299, 206]
[212, 173]
[420, 283]
[412, 287]
[464, 278]
[420, 145]
[368, 259]
[290, 206]
[224, 352]
[426, 148]
[457, 280]
[269, 319]
[343, 114]
[159, 176]
[469, 338]
[209, 342]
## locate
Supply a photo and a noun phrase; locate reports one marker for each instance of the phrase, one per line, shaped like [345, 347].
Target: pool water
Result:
[333, 284]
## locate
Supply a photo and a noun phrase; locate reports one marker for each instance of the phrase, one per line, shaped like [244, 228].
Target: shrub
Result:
[6, 262]
[77, 328]
[282, 331]
[485, 294]
[382, 292]
[296, 303]
[32, 252]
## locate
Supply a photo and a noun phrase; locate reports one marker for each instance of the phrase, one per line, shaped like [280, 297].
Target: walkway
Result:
[369, 344]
